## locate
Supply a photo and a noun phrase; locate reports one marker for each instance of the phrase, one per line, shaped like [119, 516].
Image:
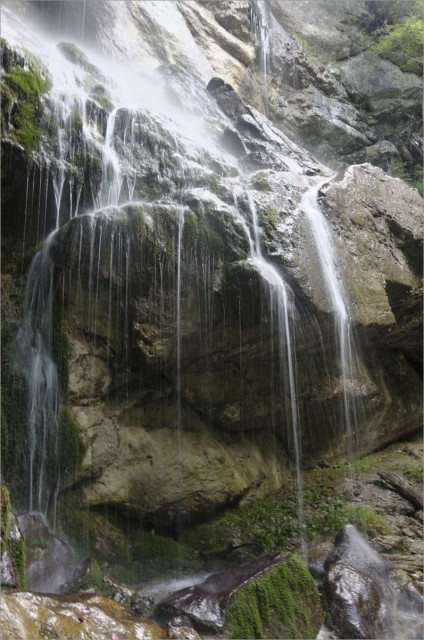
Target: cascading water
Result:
[282, 308]
[139, 192]
[34, 361]
[259, 20]
[351, 409]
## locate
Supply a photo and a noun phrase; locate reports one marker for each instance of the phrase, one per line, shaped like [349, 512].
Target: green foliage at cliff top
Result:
[398, 33]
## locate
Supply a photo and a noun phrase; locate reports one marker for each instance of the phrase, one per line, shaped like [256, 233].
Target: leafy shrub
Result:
[398, 33]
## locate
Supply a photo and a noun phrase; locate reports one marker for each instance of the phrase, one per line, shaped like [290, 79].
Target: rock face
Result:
[30, 616]
[164, 330]
[362, 599]
[232, 600]
[48, 557]
[13, 556]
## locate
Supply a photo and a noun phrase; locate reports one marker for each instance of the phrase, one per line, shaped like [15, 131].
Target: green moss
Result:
[269, 217]
[272, 522]
[77, 57]
[368, 521]
[21, 100]
[198, 232]
[259, 181]
[93, 579]
[100, 95]
[75, 120]
[38, 542]
[17, 550]
[215, 185]
[265, 525]
[5, 517]
[282, 603]
[161, 551]
[70, 445]
[414, 472]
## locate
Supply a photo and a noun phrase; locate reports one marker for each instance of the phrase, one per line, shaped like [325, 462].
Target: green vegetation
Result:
[15, 548]
[39, 542]
[70, 445]
[282, 603]
[397, 31]
[160, 551]
[21, 106]
[412, 176]
[260, 182]
[272, 523]
[93, 579]
[77, 57]
[4, 516]
[130, 552]
[100, 95]
[367, 521]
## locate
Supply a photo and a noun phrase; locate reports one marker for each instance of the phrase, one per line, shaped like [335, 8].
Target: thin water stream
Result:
[35, 363]
[352, 408]
[282, 309]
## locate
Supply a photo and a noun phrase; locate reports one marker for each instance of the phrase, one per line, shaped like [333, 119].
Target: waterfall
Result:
[111, 182]
[34, 362]
[282, 309]
[259, 20]
[351, 409]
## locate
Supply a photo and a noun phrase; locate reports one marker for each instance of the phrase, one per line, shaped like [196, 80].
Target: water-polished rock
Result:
[205, 603]
[363, 600]
[48, 557]
[31, 616]
[233, 600]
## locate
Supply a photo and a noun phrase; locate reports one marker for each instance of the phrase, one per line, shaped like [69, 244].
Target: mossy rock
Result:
[77, 57]
[12, 541]
[5, 517]
[260, 182]
[22, 109]
[282, 603]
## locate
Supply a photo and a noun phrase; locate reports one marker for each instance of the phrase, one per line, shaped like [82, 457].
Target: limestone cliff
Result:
[154, 311]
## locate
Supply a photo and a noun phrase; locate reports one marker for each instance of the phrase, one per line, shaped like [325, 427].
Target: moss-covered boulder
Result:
[269, 597]
[282, 603]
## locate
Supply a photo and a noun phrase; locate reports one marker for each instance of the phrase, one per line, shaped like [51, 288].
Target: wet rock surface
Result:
[205, 604]
[48, 557]
[31, 616]
[364, 601]
[231, 602]
[9, 575]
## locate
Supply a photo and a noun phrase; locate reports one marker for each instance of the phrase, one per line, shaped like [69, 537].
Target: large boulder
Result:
[381, 251]
[31, 616]
[363, 600]
[268, 597]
